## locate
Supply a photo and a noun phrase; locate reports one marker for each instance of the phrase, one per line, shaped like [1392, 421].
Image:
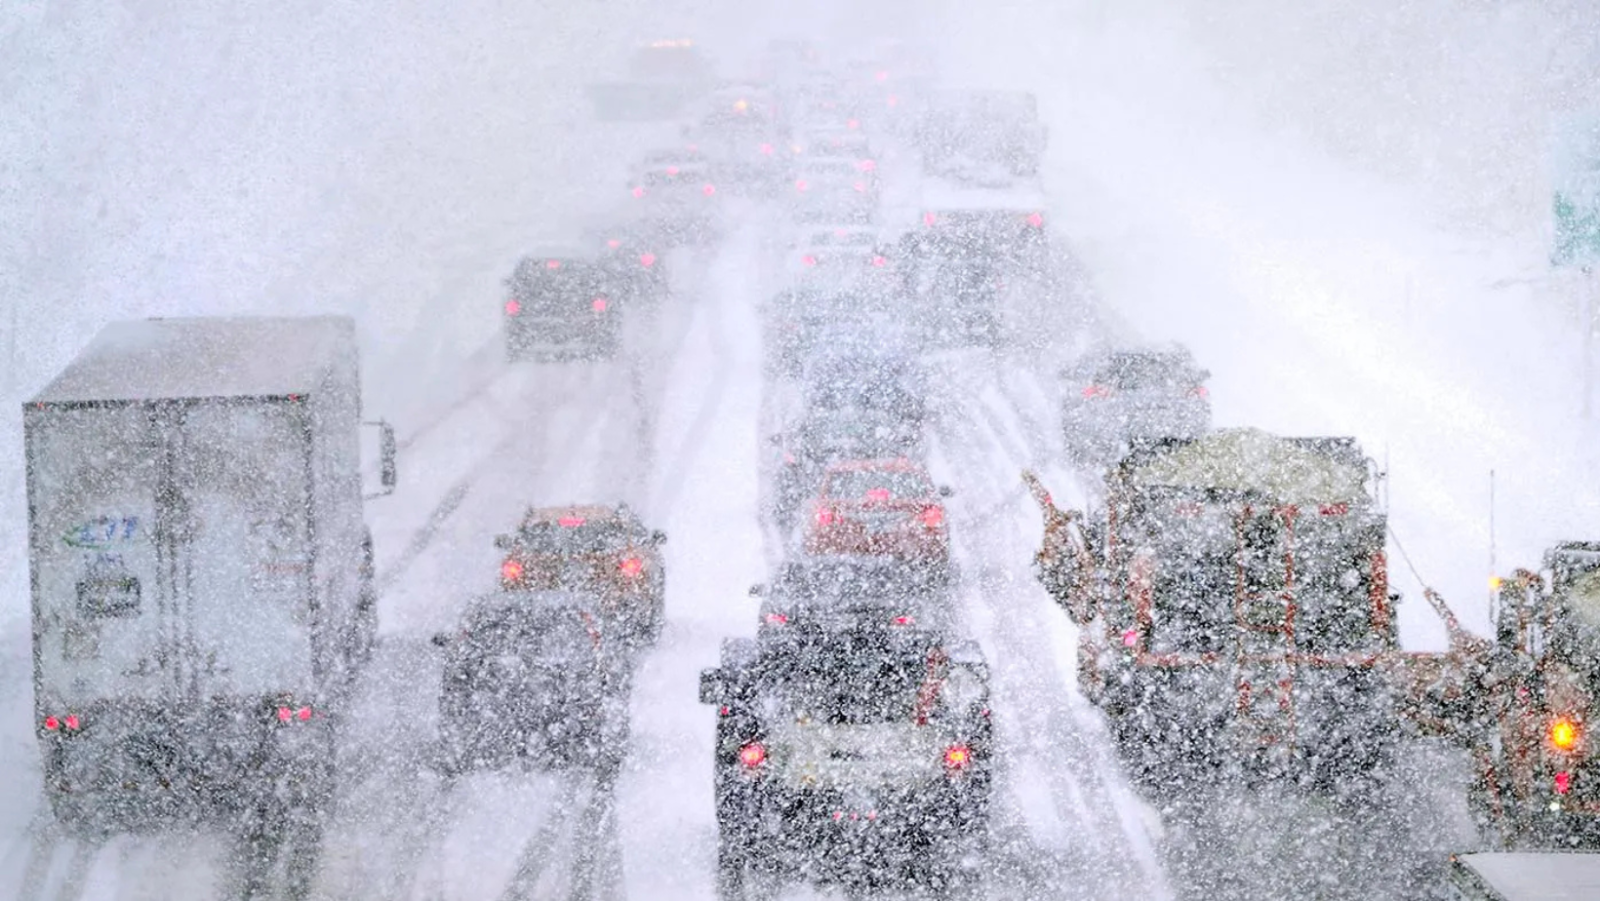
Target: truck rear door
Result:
[102, 588]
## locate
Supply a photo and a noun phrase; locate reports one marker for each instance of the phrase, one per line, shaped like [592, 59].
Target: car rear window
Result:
[1132, 373]
[539, 285]
[575, 535]
[852, 680]
[855, 483]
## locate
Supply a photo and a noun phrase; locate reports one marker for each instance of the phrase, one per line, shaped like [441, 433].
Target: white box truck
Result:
[201, 571]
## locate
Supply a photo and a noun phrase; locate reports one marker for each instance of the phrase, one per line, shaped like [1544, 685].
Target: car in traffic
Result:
[825, 435]
[889, 508]
[529, 676]
[559, 305]
[834, 190]
[859, 758]
[1113, 398]
[676, 200]
[600, 549]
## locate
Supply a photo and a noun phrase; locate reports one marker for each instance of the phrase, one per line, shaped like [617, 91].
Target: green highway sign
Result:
[1576, 183]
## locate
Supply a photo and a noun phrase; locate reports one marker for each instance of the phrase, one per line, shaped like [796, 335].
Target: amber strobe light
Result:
[1564, 734]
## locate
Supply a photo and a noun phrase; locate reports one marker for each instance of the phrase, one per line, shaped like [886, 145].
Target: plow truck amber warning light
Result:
[957, 757]
[1564, 734]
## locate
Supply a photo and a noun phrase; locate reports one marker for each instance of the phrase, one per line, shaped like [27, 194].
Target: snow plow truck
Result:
[1235, 616]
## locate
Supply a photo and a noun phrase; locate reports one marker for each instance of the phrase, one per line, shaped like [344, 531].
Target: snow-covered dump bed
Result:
[1526, 876]
[1255, 463]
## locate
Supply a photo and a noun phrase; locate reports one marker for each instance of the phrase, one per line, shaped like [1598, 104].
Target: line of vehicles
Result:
[190, 494]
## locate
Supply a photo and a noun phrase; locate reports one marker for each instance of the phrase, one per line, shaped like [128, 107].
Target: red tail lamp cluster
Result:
[291, 714]
[957, 757]
[68, 723]
[511, 570]
[632, 566]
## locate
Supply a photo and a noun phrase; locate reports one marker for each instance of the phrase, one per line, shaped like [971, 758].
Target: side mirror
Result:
[711, 688]
[946, 491]
[387, 450]
[441, 639]
[775, 440]
[757, 590]
[658, 537]
[504, 542]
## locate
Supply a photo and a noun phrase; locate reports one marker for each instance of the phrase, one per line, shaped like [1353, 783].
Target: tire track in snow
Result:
[1078, 779]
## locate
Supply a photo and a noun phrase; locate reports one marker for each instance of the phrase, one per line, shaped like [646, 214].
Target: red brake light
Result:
[1036, 220]
[789, 458]
[285, 714]
[632, 566]
[825, 516]
[861, 187]
[752, 755]
[672, 170]
[638, 192]
[72, 722]
[868, 165]
[1563, 783]
[877, 494]
[1334, 509]
[708, 189]
[552, 264]
[933, 517]
[511, 571]
[1199, 391]
[853, 123]
[879, 261]
[513, 307]
[613, 243]
[304, 714]
[809, 260]
[777, 619]
[766, 149]
[569, 522]
[956, 757]
[905, 621]
[1097, 391]
[800, 184]
[647, 259]
[929, 218]
[51, 723]
[599, 304]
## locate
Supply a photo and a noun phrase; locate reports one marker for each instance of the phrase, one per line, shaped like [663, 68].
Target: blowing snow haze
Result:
[712, 450]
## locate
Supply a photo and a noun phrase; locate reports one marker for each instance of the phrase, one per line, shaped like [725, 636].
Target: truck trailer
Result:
[201, 574]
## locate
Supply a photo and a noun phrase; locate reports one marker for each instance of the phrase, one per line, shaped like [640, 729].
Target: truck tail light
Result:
[290, 714]
[599, 304]
[777, 619]
[825, 516]
[632, 566]
[752, 755]
[647, 259]
[933, 517]
[513, 307]
[1097, 391]
[1563, 783]
[52, 724]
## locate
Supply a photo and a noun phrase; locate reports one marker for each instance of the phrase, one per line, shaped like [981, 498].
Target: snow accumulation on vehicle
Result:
[1257, 302]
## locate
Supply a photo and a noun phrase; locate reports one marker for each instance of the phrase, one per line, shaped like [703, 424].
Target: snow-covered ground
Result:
[317, 159]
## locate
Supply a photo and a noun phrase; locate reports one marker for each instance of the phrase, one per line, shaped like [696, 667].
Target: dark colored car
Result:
[1115, 398]
[531, 676]
[560, 305]
[859, 758]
